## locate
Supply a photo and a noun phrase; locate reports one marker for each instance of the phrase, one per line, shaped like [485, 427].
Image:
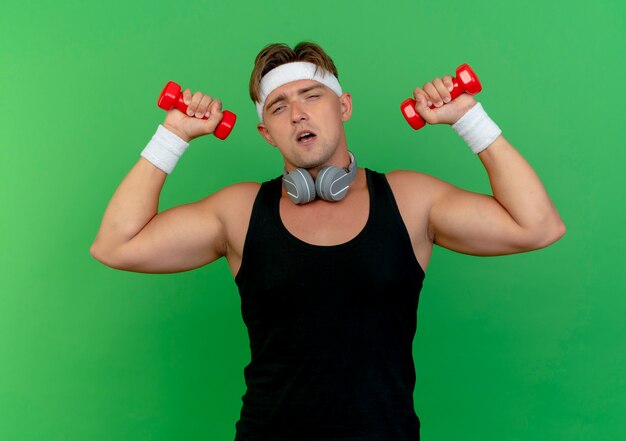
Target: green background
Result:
[523, 347]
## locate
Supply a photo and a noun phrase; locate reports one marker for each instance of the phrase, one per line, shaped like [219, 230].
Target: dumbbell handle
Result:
[466, 81]
[171, 97]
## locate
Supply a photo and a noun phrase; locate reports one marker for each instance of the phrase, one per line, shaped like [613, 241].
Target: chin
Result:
[311, 160]
[308, 165]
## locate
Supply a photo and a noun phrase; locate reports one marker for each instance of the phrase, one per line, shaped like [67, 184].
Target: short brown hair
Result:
[276, 54]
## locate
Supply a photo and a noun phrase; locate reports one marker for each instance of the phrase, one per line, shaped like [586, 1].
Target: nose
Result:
[297, 113]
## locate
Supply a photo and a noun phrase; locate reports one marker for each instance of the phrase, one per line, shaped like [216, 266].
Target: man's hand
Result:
[437, 93]
[191, 125]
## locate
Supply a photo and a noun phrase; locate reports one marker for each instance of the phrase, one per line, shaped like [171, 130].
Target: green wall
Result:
[522, 347]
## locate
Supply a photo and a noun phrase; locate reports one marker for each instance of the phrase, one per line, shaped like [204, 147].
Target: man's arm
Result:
[518, 217]
[133, 236]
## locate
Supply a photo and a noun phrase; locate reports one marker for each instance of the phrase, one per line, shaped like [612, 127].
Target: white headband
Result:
[286, 73]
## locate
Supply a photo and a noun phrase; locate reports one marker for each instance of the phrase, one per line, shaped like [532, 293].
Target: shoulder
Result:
[229, 201]
[239, 190]
[235, 199]
[231, 206]
[405, 183]
[416, 193]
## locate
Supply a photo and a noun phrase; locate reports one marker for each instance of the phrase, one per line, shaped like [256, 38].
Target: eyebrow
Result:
[282, 96]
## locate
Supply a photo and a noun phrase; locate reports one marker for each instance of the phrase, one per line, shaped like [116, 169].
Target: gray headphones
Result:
[332, 183]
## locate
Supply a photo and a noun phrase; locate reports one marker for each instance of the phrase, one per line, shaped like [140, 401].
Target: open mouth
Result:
[305, 137]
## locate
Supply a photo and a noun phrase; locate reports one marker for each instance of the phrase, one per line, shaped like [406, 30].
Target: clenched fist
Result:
[192, 125]
[434, 104]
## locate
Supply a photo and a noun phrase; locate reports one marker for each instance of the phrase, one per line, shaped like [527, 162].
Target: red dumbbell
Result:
[171, 97]
[466, 81]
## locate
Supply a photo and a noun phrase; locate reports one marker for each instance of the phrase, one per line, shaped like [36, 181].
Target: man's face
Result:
[304, 119]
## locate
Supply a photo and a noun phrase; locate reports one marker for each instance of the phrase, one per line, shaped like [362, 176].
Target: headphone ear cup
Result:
[300, 186]
[328, 185]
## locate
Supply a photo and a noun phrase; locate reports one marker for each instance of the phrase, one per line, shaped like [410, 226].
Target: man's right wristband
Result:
[164, 149]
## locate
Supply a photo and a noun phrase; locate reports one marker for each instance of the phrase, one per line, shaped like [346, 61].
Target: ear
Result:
[345, 101]
[265, 133]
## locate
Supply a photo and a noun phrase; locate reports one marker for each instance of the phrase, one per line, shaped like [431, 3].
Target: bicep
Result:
[178, 239]
[473, 223]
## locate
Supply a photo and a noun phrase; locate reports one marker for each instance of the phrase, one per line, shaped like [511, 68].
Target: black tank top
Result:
[331, 328]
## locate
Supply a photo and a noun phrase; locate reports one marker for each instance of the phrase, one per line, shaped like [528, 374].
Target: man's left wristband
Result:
[164, 149]
[477, 129]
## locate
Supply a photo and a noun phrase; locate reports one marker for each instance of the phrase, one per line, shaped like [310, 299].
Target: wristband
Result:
[477, 129]
[164, 149]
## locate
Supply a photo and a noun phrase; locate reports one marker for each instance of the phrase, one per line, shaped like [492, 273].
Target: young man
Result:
[329, 258]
